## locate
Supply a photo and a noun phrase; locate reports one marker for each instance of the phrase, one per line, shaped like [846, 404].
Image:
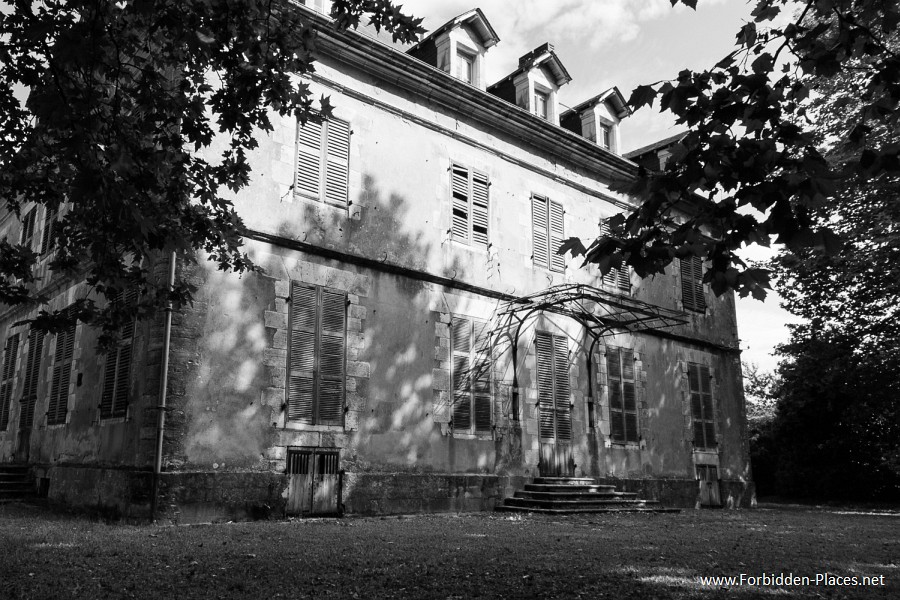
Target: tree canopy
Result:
[122, 95]
[751, 169]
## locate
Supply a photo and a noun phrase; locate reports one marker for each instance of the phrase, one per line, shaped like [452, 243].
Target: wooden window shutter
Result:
[557, 233]
[692, 296]
[6, 378]
[302, 358]
[459, 191]
[309, 159]
[561, 388]
[332, 338]
[28, 227]
[62, 372]
[117, 371]
[619, 278]
[543, 343]
[461, 351]
[540, 235]
[337, 162]
[32, 376]
[621, 378]
[702, 409]
[48, 240]
[483, 406]
[316, 355]
[480, 213]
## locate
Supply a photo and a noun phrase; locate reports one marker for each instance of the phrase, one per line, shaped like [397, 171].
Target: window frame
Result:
[114, 400]
[605, 136]
[542, 100]
[323, 153]
[703, 407]
[477, 183]
[464, 57]
[63, 359]
[617, 388]
[618, 277]
[296, 371]
[464, 384]
[29, 221]
[8, 378]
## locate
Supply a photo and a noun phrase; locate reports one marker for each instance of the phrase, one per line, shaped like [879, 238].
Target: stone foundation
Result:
[684, 493]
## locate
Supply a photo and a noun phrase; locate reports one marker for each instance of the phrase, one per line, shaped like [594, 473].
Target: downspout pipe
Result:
[163, 387]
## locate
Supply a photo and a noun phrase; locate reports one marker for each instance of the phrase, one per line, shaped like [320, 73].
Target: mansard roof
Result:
[474, 19]
[612, 95]
[655, 146]
[542, 56]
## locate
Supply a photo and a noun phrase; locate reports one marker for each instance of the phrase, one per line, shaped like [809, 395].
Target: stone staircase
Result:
[16, 483]
[576, 495]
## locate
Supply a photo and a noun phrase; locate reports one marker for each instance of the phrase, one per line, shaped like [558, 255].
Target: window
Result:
[32, 375]
[62, 371]
[465, 67]
[469, 191]
[541, 102]
[323, 161]
[620, 374]
[117, 371]
[620, 277]
[6, 378]
[471, 373]
[316, 355]
[48, 239]
[692, 296]
[547, 233]
[28, 227]
[702, 406]
[606, 136]
[554, 403]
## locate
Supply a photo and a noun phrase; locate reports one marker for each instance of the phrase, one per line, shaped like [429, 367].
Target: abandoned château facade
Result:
[414, 342]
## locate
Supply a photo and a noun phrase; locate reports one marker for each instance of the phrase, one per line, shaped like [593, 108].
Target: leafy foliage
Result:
[750, 170]
[123, 97]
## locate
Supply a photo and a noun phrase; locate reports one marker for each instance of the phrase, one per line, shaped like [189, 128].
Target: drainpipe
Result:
[163, 385]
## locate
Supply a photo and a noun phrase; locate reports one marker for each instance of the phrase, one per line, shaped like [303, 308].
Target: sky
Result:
[624, 43]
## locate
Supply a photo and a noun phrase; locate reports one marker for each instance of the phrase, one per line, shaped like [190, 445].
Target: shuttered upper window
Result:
[6, 378]
[32, 375]
[471, 373]
[316, 355]
[469, 194]
[28, 222]
[702, 406]
[619, 278]
[48, 239]
[117, 371]
[62, 371]
[620, 375]
[323, 161]
[554, 403]
[692, 296]
[547, 233]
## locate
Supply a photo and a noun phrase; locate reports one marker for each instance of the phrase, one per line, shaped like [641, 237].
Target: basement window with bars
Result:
[6, 378]
[469, 191]
[316, 355]
[618, 278]
[117, 371]
[471, 375]
[620, 373]
[323, 161]
[547, 233]
[702, 409]
[62, 373]
[692, 296]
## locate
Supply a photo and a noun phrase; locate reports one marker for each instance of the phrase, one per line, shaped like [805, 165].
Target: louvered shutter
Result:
[109, 385]
[32, 375]
[616, 408]
[6, 384]
[629, 396]
[337, 163]
[28, 228]
[301, 374]
[619, 278]
[459, 188]
[309, 159]
[331, 358]
[540, 236]
[47, 241]
[461, 349]
[480, 188]
[62, 371]
[544, 348]
[692, 296]
[561, 389]
[557, 233]
[481, 384]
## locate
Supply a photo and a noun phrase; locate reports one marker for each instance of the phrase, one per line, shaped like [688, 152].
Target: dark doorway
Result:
[314, 482]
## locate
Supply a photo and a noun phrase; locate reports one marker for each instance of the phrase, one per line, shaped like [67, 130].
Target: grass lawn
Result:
[48, 556]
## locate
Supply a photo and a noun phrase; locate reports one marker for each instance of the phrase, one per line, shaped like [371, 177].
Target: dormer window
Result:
[605, 136]
[541, 100]
[465, 67]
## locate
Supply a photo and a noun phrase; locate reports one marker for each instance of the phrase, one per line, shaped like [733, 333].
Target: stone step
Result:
[573, 495]
[555, 503]
[11, 468]
[565, 480]
[572, 489]
[592, 510]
